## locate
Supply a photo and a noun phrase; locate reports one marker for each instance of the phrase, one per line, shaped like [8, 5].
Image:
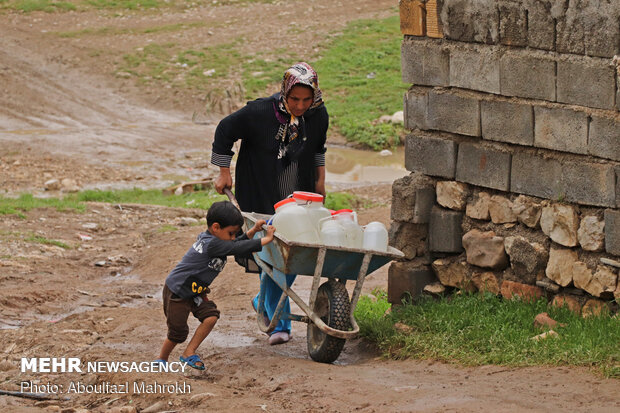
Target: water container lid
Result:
[283, 202]
[308, 196]
[340, 211]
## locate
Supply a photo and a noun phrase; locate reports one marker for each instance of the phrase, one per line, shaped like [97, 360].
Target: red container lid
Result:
[341, 211]
[308, 196]
[283, 202]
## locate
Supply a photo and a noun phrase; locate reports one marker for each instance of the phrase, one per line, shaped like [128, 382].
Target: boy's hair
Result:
[225, 214]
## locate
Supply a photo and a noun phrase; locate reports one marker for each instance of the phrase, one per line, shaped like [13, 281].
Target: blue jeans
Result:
[272, 296]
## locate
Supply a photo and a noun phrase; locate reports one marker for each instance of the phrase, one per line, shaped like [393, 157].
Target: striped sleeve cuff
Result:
[223, 161]
[319, 159]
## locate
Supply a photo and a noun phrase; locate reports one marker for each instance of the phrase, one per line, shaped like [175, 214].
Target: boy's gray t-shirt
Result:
[204, 261]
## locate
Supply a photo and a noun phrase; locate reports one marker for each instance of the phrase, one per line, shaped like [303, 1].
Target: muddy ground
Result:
[64, 115]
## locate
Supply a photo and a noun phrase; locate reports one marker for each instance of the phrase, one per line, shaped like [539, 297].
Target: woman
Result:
[282, 151]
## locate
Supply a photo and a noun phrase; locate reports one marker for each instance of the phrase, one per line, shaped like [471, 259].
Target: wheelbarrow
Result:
[329, 311]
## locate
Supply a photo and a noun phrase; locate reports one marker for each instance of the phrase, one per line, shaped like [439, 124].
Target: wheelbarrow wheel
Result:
[332, 305]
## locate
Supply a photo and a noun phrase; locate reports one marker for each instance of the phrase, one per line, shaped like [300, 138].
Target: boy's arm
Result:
[221, 248]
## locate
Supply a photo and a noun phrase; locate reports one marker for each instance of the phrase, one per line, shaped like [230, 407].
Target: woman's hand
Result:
[223, 180]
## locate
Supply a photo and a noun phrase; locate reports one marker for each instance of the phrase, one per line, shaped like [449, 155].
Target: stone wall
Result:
[514, 148]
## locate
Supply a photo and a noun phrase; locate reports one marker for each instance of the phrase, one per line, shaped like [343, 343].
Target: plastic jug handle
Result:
[320, 223]
[355, 217]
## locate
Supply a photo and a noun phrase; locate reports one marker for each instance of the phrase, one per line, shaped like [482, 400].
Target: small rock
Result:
[591, 233]
[452, 194]
[543, 320]
[186, 221]
[155, 408]
[500, 210]
[545, 335]
[111, 304]
[85, 237]
[398, 117]
[52, 185]
[403, 328]
[560, 223]
[479, 207]
[201, 397]
[90, 225]
[385, 152]
[209, 72]
[5, 365]
[435, 289]
[101, 263]
[69, 185]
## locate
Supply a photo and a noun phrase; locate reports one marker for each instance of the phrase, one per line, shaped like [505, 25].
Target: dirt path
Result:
[62, 115]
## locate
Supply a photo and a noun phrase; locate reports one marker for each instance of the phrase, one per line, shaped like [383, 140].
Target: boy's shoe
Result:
[161, 361]
[193, 361]
[279, 337]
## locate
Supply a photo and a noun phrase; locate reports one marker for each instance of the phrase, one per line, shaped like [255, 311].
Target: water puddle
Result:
[359, 166]
[230, 340]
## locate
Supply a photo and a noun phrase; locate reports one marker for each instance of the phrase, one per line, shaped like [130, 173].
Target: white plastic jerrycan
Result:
[313, 204]
[375, 237]
[332, 233]
[354, 233]
[293, 222]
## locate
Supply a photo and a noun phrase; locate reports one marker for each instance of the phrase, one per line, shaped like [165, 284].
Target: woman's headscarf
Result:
[291, 127]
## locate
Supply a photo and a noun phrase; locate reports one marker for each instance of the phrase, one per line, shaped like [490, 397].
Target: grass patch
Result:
[361, 75]
[49, 6]
[26, 202]
[42, 240]
[76, 202]
[483, 329]
[167, 228]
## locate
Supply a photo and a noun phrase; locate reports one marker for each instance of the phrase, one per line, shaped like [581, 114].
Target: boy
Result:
[188, 283]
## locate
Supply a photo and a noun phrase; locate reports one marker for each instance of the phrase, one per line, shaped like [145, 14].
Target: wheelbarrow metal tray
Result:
[292, 257]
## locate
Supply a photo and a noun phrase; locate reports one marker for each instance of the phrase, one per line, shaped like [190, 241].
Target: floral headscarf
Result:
[290, 125]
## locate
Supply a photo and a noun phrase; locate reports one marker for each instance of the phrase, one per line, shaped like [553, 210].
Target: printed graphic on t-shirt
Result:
[198, 246]
[216, 264]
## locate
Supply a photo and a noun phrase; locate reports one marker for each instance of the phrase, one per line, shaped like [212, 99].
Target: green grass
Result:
[42, 240]
[367, 48]
[353, 98]
[49, 6]
[483, 329]
[76, 202]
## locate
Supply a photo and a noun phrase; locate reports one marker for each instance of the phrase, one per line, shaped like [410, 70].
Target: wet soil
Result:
[96, 293]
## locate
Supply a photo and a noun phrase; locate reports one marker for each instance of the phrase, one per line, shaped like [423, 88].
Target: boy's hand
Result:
[268, 236]
[257, 227]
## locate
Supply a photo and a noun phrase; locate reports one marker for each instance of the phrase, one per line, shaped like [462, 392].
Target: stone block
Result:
[431, 156]
[501, 210]
[507, 122]
[602, 36]
[452, 194]
[482, 166]
[527, 210]
[512, 25]
[560, 265]
[560, 223]
[570, 33]
[478, 207]
[617, 169]
[454, 272]
[453, 113]
[445, 232]
[475, 68]
[406, 280]
[589, 183]
[540, 25]
[425, 62]
[535, 175]
[485, 249]
[604, 138]
[509, 289]
[589, 83]
[591, 233]
[486, 281]
[412, 17]
[528, 260]
[458, 19]
[409, 238]
[559, 129]
[527, 76]
[410, 200]
[612, 231]
[416, 103]
[568, 301]
[594, 308]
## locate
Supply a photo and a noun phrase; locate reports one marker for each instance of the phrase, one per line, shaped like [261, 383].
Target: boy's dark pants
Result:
[177, 311]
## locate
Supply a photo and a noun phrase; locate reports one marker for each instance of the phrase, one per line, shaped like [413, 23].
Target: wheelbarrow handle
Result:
[231, 197]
